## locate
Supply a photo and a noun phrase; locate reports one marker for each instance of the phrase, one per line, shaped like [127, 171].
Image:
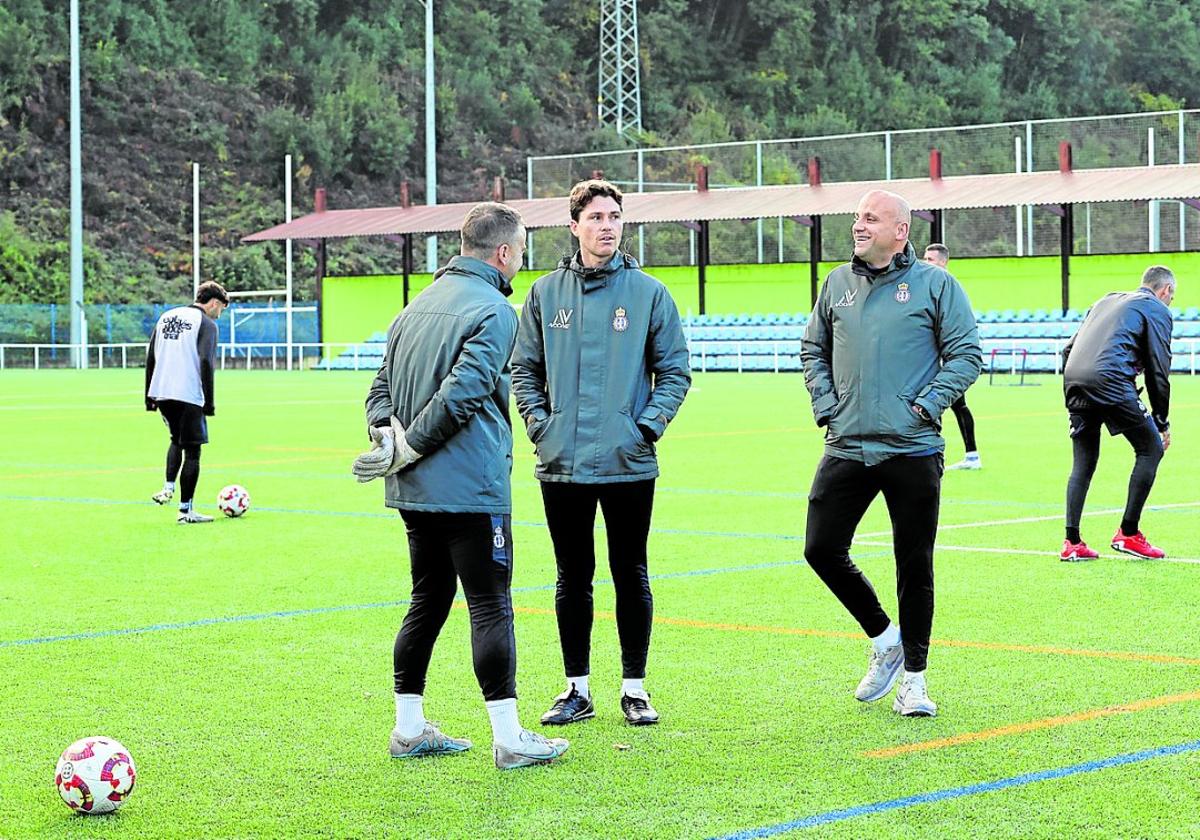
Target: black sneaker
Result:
[638, 710]
[569, 708]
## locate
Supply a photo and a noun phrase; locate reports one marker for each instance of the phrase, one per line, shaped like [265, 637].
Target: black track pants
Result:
[842, 490]
[475, 548]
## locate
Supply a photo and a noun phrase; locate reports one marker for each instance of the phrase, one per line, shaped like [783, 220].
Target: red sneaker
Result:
[1137, 546]
[1073, 552]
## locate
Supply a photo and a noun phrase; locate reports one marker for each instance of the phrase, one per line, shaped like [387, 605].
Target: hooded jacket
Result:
[601, 367]
[880, 342]
[445, 375]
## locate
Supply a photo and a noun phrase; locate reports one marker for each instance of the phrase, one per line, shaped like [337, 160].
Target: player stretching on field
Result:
[179, 384]
[438, 413]
[1124, 334]
[892, 342]
[939, 255]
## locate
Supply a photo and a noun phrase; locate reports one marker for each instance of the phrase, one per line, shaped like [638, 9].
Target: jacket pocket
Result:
[634, 454]
[914, 423]
[554, 444]
[537, 430]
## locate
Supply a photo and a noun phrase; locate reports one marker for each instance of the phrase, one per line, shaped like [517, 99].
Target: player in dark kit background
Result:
[938, 254]
[180, 361]
[1124, 334]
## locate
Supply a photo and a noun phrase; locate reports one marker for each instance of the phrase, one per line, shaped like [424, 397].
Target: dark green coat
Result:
[445, 376]
[601, 367]
[877, 345]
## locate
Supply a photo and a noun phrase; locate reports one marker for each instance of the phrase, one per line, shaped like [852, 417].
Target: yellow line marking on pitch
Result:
[1125, 656]
[1034, 725]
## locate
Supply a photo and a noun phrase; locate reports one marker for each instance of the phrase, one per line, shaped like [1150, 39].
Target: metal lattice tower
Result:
[619, 103]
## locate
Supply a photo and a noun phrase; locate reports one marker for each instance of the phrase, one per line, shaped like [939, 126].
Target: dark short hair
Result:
[488, 226]
[212, 290]
[583, 193]
[939, 248]
[1157, 276]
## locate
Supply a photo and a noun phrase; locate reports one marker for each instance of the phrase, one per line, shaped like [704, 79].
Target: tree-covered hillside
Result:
[235, 85]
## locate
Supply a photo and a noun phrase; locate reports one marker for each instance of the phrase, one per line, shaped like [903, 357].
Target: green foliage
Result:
[235, 85]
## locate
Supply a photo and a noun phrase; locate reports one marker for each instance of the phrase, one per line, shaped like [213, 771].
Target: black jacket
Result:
[1124, 334]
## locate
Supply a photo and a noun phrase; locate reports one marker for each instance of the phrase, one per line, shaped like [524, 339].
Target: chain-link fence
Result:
[1118, 140]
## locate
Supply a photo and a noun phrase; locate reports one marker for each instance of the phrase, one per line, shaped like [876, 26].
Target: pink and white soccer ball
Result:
[95, 775]
[233, 500]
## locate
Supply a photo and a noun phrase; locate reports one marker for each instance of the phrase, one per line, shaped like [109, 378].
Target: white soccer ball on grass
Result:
[233, 500]
[95, 775]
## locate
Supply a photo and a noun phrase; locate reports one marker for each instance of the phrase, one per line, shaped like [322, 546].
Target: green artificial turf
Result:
[257, 702]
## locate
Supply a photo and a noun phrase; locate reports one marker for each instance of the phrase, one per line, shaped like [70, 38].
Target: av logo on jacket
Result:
[174, 327]
[847, 298]
[620, 322]
[562, 321]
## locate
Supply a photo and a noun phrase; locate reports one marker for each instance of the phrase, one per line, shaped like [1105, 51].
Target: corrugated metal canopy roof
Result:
[953, 193]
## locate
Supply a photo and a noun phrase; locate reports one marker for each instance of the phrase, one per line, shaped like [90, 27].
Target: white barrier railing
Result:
[354, 356]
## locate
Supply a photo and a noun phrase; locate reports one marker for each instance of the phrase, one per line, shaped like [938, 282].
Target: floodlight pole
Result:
[195, 230]
[287, 250]
[76, 305]
[1152, 232]
[431, 247]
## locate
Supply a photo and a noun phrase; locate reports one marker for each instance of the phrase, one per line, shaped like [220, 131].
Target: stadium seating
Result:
[1013, 340]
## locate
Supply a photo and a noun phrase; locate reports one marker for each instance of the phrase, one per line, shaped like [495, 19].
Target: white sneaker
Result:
[967, 464]
[912, 698]
[883, 668]
[430, 741]
[162, 496]
[533, 749]
[188, 517]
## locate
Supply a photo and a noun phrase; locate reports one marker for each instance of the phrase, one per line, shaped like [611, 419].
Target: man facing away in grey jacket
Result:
[600, 369]
[891, 344]
[438, 414]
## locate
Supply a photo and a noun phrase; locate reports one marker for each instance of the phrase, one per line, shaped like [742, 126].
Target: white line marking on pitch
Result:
[1033, 553]
[1027, 519]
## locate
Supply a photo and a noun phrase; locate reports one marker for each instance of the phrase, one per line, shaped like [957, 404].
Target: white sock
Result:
[185, 507]
[914, 677]
[410, 715]
[506, 727]
[168, 486]
[972, 456]
[633, 688]
[580, 684]
[888, 638]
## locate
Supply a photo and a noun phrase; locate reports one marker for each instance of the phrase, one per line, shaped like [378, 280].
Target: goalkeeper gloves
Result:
[389, 453]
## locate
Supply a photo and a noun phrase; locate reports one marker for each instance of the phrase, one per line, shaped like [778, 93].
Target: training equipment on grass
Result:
[233, 500]
[95, 775]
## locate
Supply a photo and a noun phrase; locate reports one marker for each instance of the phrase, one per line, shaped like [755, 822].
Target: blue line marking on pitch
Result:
[360, 514]
[236, 619]
[200, 622]
[959, 792]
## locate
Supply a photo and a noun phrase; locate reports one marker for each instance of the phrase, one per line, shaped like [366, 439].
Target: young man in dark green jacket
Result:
[891, 344]
[600, 369]
[438, 414]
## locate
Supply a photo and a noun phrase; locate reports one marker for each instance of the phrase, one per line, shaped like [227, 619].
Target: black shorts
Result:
[188, 425]
[1119, 418]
